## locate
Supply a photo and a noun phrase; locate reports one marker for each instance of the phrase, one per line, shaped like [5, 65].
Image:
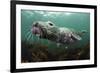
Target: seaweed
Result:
[36, 52]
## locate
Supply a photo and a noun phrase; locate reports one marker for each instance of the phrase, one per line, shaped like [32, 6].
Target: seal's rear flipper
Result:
[75, 37]
[82, 32]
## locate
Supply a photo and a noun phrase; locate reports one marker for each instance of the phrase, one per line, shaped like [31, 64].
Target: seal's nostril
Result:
[36, 24]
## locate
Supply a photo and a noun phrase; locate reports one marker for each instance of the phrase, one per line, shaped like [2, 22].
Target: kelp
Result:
[36, 52]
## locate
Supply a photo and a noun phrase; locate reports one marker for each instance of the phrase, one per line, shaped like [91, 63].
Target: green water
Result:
[75, 20]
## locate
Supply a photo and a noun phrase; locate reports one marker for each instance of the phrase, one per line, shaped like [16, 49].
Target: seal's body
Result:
[50, 31]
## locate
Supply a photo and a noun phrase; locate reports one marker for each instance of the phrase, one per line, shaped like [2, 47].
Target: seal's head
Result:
[36, 29]
[41, 28]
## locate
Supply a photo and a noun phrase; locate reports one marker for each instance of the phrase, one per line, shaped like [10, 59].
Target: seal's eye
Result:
[50, 24]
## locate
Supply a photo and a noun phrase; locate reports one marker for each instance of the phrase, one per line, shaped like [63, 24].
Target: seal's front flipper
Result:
[76, 37]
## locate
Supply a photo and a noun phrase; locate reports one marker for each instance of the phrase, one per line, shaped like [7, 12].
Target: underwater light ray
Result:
[27, 31]
[28, 14]
[29, 37]
[27, 34]
[32, 39]
[27, 28]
